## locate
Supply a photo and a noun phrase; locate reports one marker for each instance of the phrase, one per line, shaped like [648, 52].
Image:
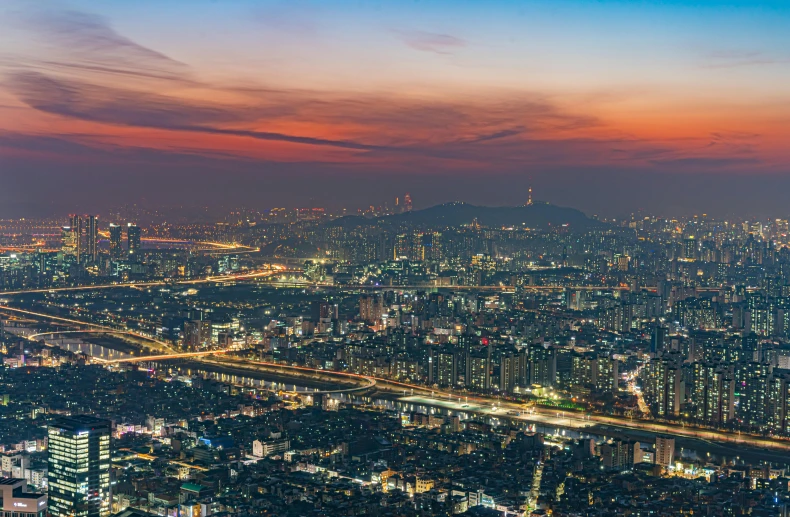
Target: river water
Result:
[686, 448]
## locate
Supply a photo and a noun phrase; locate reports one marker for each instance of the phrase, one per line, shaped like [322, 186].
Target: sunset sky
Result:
[608, 106]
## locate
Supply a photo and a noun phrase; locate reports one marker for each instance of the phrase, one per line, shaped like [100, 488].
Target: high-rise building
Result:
[116, 241]
[447, 368]
[665, 450]
[620, 454]
[323, 311]
[75, 223]
[133, 239]
[79, 467]
[91, 238]
[197, 334]
[658, 339]
[69, 242]
[371, 308]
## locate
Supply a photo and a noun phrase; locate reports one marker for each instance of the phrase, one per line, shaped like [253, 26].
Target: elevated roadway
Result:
[274, 269]
[493, 406]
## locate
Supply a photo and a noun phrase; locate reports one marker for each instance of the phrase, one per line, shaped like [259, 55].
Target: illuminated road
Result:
[479, 404]
[274, 269]
[144, 358]
[559, 418]
[179, 355]
[570, 420]
[176, 355]
[151, 457]
[99, 329]
[207, 246]
[282, 369]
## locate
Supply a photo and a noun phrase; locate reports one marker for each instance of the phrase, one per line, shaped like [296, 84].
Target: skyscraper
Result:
[116, 241]
[79, 467]
[69, 242]
[75, 223]
[91, 238]
[133, 239]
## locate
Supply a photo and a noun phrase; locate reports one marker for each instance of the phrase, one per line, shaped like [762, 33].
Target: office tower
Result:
[75, 223]
[69, 242]
[665, 450]
[407, 202]
[17, 501]
[116, 241]
[91, 238]
[133, 239]
[79, 467]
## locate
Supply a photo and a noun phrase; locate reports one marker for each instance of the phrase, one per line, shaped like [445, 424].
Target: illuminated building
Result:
[91, 238]
[447, 368]
[133, 239]
[17, 501]
[79, 467]
[75, 223]
[116, 241]
[197, 334]
[665, 450]
[690, 248]
[69, 241]
[371, 308]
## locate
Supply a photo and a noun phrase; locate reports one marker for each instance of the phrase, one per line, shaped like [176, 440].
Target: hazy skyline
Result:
[607, 106]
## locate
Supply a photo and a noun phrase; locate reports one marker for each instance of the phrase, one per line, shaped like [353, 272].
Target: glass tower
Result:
[79, 467]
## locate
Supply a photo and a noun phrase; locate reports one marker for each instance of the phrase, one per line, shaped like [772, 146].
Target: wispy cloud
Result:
[506, 131]
[740, 58]
[430, 41]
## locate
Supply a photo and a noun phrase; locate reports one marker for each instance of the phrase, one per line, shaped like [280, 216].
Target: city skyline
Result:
[608, 107]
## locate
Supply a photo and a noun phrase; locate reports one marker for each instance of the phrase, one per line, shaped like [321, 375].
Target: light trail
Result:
[548, 416]
[151, 457]
[273, 269]
[370, 381]
[177, 355]
[101, 328]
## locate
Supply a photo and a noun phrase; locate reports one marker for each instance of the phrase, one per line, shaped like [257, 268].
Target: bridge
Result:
[272, 269]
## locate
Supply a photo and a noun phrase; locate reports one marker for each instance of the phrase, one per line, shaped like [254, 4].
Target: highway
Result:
[208, 246]
[565, 419]
[274, 269]
[136, 359]
[471, 404]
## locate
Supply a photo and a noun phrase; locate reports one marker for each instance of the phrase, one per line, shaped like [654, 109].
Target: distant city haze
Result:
[671, 108]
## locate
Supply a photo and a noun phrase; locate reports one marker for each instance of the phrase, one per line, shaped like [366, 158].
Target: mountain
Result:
[537, 215]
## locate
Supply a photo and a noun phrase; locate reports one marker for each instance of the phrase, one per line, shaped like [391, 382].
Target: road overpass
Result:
[452, 400]
[273, 269]
[484, 405]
